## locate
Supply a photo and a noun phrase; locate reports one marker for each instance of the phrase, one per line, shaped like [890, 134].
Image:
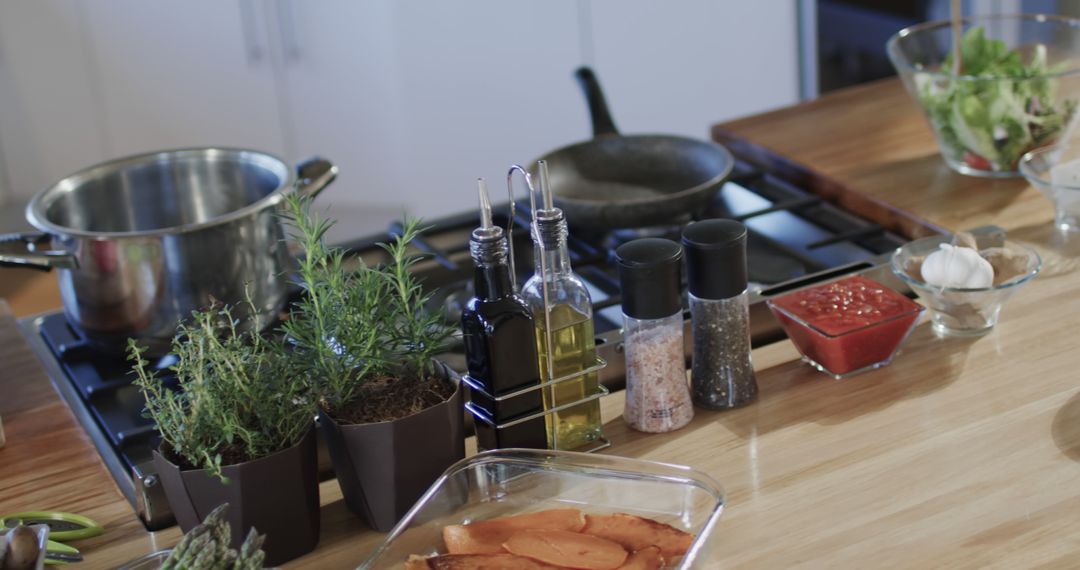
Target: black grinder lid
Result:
[715, 258]
[650, 276]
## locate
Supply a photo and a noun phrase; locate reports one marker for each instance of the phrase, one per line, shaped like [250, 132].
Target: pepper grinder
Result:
[657, 395]
[500, 346]
[721, 374]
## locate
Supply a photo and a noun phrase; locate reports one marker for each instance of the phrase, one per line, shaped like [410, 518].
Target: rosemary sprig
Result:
[362, 323]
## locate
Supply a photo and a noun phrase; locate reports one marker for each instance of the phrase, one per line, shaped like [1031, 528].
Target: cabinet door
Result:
[190, 73]
[49, 124]
[415, 100]
[679, 67]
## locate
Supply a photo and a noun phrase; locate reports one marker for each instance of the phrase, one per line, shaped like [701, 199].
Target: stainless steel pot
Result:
[142, 241]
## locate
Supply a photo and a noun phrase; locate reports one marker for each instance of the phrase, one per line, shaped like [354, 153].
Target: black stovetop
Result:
[793, 234]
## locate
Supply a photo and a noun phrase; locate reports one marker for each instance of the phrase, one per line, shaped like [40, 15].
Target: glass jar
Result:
[722, 375]
[657, 393]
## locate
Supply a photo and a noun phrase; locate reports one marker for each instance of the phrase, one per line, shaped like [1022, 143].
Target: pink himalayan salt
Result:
[657, 393]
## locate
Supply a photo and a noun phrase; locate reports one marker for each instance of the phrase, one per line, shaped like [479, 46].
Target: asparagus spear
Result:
[251, 554]
[206, 547]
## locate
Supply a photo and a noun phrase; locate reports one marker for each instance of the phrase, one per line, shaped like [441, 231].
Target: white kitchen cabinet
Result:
[679, 67]
[48, 124]
[413, 99]
[416, 99]
[184, 73]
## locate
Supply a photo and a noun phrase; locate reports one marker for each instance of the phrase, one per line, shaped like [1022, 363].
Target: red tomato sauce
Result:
[847, 325]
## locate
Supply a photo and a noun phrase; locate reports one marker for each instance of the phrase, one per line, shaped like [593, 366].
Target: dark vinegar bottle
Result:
[500, 345]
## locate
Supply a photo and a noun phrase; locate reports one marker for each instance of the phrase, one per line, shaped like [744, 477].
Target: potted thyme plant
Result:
[391, 413]
[239, 430]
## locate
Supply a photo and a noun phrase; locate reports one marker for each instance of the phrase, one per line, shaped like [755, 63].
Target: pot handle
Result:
[602, 123]
[32, 250]
[313, 175]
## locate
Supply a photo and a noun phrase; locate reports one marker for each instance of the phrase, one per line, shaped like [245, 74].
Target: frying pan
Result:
[624, 181]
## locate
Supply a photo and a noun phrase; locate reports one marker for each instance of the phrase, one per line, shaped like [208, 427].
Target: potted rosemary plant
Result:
[239, 430]
[391, 414]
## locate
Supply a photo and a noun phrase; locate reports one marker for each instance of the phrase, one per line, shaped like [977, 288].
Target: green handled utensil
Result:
[62, 526]
[56, 553]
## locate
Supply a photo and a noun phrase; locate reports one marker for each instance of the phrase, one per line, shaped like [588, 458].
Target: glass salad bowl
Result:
[1016, 90]
[516, 481]
[1055, 171]
[846, 326]
[956, 311]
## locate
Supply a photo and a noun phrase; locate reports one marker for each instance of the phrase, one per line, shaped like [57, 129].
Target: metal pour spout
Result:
[545, 186]
[485, 205]
[549, 224]
[487, 245]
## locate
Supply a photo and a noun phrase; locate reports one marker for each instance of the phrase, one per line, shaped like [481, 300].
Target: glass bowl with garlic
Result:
[964, 286]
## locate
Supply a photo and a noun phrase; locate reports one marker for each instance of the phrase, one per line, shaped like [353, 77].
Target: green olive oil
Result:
[574, 350]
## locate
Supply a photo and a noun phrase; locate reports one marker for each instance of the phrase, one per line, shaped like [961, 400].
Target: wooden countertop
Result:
[962, 453]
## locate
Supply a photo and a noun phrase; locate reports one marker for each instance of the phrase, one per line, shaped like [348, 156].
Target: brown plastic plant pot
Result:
[384, 467]
[278, 495]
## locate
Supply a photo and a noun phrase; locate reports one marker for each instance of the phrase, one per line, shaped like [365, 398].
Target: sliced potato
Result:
[475, 562]
[648, 558]
[567, 548]
[637, 533]
[476, 538]
[417, 562]
[487, 537]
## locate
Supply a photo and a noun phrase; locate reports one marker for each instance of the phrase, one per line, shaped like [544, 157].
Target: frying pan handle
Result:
[602, 124]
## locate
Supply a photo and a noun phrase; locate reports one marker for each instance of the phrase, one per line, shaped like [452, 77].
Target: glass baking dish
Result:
[514, 481]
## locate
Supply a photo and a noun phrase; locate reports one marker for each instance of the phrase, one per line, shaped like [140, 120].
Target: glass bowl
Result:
[846, 326]
[984, 122]
[514, 481]
[1055, 171]
[955, 311]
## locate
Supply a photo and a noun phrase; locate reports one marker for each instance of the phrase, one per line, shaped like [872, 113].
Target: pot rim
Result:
[311, 432]
[39, 204]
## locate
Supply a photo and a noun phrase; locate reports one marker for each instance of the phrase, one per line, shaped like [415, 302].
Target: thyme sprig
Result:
[240, 396]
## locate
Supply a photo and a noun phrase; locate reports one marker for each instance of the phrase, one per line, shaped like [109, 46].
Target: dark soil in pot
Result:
[383, 467]
[277, 494]
[387, 399]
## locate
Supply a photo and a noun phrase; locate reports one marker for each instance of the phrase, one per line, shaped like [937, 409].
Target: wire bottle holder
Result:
[601, 442]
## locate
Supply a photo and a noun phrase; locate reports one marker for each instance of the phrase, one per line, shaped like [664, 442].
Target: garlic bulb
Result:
[960, 267]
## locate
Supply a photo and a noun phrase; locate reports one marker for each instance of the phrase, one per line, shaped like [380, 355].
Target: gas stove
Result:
[798, 234]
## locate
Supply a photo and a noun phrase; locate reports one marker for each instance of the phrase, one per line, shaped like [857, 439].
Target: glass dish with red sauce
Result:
[847, 326]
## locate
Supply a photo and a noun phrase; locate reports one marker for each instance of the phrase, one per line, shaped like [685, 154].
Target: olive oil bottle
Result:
[569, 320]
